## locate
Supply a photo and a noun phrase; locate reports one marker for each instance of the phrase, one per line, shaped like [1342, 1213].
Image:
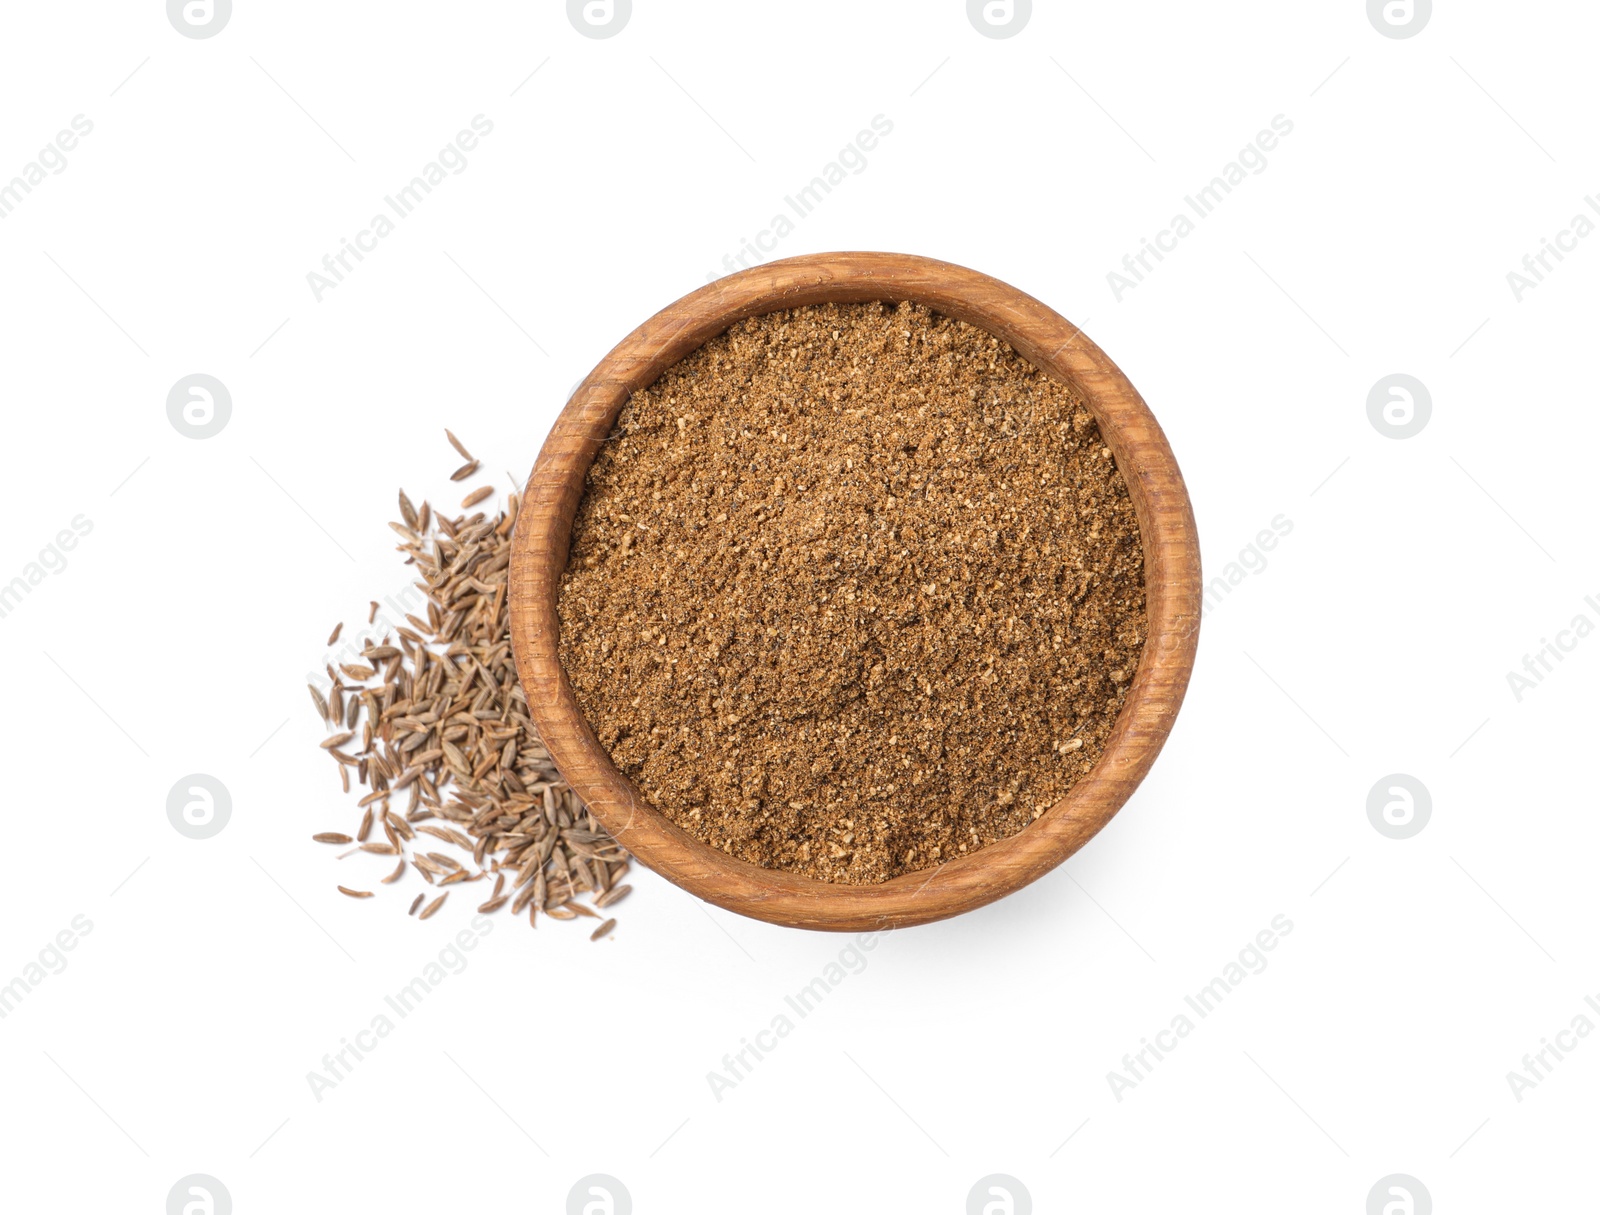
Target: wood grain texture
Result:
[1050, 342]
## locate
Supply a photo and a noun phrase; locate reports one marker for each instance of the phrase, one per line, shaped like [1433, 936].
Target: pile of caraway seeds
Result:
[433, 722]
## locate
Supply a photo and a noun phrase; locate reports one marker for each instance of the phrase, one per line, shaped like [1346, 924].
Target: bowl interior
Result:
[1050, 342]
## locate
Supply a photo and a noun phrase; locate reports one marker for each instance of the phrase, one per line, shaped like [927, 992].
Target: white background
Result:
[1377, 639]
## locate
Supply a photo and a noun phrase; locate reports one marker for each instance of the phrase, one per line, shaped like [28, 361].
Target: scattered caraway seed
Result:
[458, 445]
[432, 721]
[372, 612]
[355, 894]
[337, 629]
[476, 496]
[449, 834]
[465, 471]
[332, 837]
[603, 931]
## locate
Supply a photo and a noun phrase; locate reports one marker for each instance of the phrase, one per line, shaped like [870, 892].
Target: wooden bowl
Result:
[1050, 342]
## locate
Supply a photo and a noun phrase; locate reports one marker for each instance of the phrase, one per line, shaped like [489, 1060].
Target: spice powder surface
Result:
[853, 590]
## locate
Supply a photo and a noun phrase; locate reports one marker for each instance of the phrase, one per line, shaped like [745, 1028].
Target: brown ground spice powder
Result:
[853, 590]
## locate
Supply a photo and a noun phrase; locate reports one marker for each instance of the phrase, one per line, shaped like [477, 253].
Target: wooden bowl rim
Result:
[1050, 342]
